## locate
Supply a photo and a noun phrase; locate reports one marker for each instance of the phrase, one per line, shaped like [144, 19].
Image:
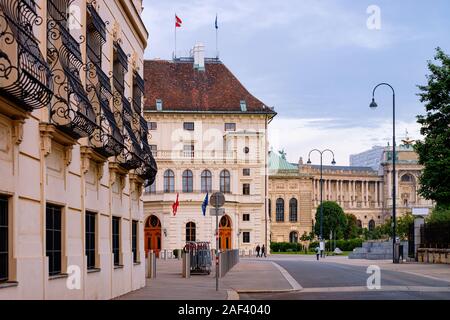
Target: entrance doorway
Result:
[225, 233]
[152, 235]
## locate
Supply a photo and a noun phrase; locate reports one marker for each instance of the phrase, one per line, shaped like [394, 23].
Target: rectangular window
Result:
[246, 189]
[134, 240]
[116, 240]
[230, 126]
[246, 217]
[4, 252]
[188, 126]
[90, 239]
[153, 148]
[53, 233]
[246, 237]
[246, 172]
[188, 150]
[152, 125]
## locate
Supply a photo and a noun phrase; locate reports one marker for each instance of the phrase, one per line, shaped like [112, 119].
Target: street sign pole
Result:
[217, 200]
[217, 247]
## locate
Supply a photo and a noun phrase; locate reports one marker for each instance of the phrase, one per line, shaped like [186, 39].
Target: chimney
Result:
[199, 57]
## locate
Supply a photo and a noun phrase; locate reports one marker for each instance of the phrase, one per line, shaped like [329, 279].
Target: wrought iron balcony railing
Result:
[70, 110]
[25, 76]
[149, 168]
[138, 92]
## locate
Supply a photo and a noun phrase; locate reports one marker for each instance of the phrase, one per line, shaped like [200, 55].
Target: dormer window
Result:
[243, 106]
[159, 104]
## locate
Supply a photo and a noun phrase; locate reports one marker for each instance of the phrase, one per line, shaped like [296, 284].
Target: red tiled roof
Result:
[182, 88]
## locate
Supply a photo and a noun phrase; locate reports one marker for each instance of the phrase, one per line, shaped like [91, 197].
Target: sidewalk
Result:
[247, 276]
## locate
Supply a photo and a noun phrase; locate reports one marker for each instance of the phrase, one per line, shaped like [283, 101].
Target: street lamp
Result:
[321, 182]
[373, 105]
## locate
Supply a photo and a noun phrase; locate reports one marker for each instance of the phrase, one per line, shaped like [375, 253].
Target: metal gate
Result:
[411, 244]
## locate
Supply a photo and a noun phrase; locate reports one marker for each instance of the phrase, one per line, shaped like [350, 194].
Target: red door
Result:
[153, 235]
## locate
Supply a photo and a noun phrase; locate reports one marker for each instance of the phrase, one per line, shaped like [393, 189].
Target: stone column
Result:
[352, 194]
[367, 193]
[376, 194]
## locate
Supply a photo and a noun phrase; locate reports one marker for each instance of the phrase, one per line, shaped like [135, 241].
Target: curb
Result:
[232, 294]
[296, 287]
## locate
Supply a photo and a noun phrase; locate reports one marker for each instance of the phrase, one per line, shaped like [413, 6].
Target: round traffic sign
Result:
[217, 199]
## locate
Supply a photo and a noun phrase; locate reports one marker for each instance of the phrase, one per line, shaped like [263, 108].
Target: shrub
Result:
[285, 247]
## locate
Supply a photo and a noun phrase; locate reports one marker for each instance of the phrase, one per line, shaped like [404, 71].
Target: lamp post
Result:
[373, 105]
[321, 182]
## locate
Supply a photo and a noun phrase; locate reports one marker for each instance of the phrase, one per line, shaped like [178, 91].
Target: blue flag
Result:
[205, 204]
[216, 25]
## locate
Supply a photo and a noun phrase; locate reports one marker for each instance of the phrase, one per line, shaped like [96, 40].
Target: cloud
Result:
[302, 24]
[298, 136]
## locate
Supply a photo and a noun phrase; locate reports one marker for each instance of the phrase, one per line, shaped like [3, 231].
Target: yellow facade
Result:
[361, 191]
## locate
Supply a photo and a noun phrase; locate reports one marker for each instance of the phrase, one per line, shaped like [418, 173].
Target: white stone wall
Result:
[35, 171]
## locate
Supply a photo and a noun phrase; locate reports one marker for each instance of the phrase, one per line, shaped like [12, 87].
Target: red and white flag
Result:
[178, 22]
[175, 206]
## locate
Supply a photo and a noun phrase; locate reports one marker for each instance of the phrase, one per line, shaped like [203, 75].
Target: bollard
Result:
[165, 254]
[151, 265]
[179, 254]
[186, 265]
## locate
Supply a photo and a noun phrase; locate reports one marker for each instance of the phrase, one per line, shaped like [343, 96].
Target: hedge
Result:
[286, 247]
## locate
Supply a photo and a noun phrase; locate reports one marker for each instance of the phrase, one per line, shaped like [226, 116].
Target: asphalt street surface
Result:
[328, 280]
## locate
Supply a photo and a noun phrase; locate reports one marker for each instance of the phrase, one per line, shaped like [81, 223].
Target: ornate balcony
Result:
[149, 168]
[138, 92]
[133, 156]
[70, 110]
[25, 76]
[107, 139]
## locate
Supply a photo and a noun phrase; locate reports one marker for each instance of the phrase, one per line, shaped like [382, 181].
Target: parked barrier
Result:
[227, 260]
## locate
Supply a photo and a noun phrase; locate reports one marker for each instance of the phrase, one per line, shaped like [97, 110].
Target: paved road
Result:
[329, 280]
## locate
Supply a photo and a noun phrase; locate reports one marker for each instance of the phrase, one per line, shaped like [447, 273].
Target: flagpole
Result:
[217, 39]
[175, 31]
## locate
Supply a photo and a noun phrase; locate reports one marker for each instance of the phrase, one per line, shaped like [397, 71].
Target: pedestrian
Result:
[263, 251]
[317, 252]
[258, 248]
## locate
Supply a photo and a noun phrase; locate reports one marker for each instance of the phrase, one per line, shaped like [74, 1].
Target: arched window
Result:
[206, 181]
[293, 237]
[371, 225]
[293, 210]
[225, 181]
[279, 210]
[188, 181]
[359, 223]
[190, 231]
[407, 178]
[169, 181]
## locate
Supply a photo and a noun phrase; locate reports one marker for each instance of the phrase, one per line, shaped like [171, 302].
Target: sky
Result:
[316, 62]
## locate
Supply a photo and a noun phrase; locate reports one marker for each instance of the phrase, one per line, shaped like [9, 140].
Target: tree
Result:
[434, 150]
[440, 214]
[352, 230]
[403, 224]
[333, 219]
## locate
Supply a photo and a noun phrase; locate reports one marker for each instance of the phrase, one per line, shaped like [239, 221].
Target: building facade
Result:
[364, 191]
[74, 155]
[208, 134]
